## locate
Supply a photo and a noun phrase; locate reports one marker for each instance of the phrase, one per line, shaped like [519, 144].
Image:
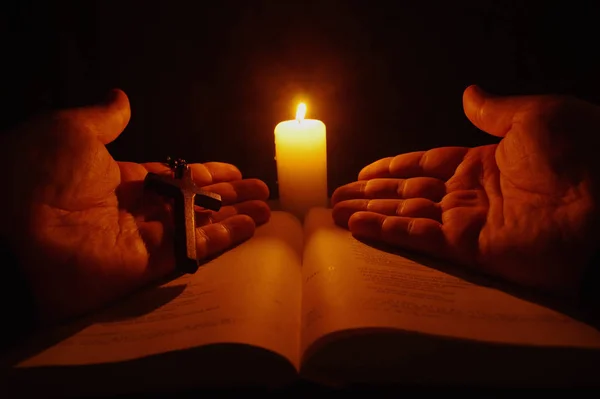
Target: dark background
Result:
[210, 80]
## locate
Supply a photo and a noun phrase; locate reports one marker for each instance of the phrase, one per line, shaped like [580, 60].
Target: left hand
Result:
[81, 225]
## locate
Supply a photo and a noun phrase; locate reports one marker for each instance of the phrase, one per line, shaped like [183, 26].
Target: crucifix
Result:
[182, 189]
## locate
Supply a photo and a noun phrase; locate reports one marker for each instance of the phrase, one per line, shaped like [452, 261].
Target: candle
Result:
[301, 156]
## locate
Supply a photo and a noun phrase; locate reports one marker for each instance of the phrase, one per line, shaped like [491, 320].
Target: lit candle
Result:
[301, 156]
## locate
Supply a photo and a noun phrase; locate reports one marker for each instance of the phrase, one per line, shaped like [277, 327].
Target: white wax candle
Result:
[301, 156]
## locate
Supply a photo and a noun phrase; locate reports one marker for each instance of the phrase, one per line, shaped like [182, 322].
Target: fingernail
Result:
[365, 226]
[111, 96]
[482, 92]
[341, 216]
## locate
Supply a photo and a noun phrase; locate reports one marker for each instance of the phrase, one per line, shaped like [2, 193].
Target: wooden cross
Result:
[185, 194]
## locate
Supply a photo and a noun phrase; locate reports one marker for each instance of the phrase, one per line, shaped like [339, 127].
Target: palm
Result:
[522, 209]
[539, 226]
[92, 233]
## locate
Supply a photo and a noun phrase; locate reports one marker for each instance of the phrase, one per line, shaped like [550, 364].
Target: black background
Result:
[208, 81]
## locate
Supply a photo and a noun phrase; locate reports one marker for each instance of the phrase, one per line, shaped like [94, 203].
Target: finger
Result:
[259, 211]
[240, 190]
[202, 173]
[417, 187]
[130, 191]
[414, 208]
[106, 121]
[215, 238]
[214, 172]
[439, 163]
[492, 114]
[160, 168]
[131, 171]
[161, 261]
[378, 169]
[416, 234]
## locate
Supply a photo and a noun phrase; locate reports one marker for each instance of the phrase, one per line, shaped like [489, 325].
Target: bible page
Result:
[350, 285]
[250, 294]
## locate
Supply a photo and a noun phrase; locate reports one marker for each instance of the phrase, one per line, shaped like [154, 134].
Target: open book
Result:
[310, 301]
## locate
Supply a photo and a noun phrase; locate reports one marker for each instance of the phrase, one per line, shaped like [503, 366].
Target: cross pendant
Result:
[185, 194]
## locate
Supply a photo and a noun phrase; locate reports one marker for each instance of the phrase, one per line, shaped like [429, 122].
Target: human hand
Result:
[526, 209]
[80, 223]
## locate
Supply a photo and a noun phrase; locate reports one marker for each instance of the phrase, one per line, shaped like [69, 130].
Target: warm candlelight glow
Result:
[301, 155]
[301, 112]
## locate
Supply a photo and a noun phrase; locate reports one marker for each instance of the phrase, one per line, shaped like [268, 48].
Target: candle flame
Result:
[301, 112]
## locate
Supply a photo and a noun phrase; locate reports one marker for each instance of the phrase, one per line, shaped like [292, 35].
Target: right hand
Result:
[526, 209]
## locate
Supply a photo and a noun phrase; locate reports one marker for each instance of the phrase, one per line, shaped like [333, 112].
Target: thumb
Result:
[105, 120]
[492, 114]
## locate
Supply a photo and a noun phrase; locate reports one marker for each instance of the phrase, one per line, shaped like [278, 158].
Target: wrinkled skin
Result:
[525, 209]
[80, 223]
